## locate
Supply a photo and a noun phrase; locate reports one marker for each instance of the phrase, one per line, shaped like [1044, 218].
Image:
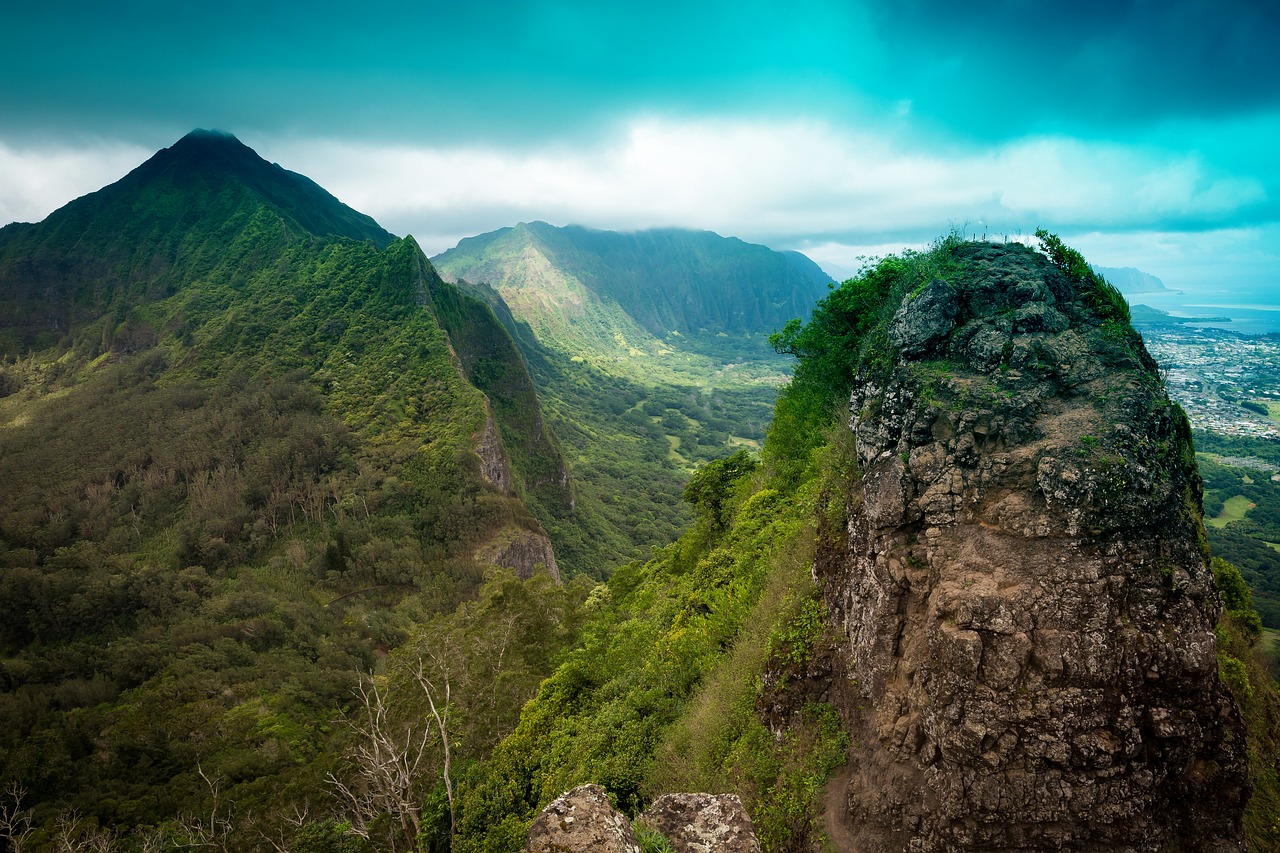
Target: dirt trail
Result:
[841, 838]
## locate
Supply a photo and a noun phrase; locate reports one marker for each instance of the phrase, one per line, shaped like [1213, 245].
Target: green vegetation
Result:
[1242, 509]
[1246, 667]
[1102, 296]
[243, 474]
[1233, 509]
[603, 293]
[634, 412]
[1261, 449]
[652, 841]
[662, 693]
[846, 334]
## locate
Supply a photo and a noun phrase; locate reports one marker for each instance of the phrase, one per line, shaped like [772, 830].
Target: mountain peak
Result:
[211, 160]
[664, 279]
[210, 133]
[207, 184]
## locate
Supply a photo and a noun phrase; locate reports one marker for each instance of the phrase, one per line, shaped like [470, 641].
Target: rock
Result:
[493, 456]
[924, 319]
[1026, 605]
[582, 821]
[703, 823]
[520, 550]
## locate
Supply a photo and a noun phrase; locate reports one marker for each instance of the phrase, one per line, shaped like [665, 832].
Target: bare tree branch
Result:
[15, 821]
[385, 761]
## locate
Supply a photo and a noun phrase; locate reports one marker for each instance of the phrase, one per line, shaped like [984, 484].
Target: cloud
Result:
[833, 192]
[1239, 261]
[780, 182]
[37, 181]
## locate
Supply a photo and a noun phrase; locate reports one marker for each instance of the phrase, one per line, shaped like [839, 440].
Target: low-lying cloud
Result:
[834, 192]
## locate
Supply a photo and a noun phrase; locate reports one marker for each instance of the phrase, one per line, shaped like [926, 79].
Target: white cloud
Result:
[784, 182]
[37, 181]
[833, 192]
[1236, 261]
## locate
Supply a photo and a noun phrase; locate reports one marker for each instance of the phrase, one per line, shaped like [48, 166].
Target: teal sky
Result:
[1144, 132]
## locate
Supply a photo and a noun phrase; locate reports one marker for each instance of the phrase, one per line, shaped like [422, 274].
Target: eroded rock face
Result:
[493, 457]
[703, 823]
[1023, 586]
[522, 551]
[580, 821]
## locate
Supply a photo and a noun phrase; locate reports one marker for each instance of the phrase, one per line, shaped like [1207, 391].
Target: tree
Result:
[15, 821]
[711, 486]
[385, 762]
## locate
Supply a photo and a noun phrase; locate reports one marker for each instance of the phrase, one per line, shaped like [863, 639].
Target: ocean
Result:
[1250, 313]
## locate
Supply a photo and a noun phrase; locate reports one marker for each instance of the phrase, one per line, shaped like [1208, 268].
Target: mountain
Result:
[964, 602]
[1132, 281]
[1046, 468]
[650, 351]
[637, 295]
[250, 441]
[1145, 315]
[133, 239]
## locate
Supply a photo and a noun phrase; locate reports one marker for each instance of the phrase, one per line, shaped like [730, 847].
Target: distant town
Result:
[1228, 383]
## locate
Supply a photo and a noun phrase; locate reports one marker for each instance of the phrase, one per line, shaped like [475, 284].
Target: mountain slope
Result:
[136, 238]
[650, 352]
[911, 627]
[257, 457]
[636, 295]
[1132, 281]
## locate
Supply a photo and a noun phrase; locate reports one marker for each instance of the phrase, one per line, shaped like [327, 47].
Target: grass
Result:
[1269, 640]
[1273, 410]
[1233, 509]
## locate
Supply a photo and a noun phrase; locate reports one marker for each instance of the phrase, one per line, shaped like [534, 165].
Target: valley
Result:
[256, 451]
[311, 543]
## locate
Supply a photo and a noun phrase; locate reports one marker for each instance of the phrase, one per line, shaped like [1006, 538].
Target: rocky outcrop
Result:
[703, 823]
[520, 550]
[1023, 585]
[493, 457]
[580, 821]
[584, 821]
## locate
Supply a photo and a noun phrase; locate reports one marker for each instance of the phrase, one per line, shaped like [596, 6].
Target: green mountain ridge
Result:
[642, 295]
[57, 276]
[650, 351]
[249, 442]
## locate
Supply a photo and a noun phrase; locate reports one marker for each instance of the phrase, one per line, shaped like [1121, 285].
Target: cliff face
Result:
[521, 550]
[1023, 584]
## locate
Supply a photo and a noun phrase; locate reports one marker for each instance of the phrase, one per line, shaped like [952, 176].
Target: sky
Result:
[1146, 134]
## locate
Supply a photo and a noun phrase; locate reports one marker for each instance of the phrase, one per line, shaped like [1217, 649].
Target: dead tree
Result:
[386, 761]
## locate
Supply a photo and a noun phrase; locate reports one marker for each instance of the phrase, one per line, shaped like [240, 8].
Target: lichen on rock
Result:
[582, 821]
[1024, 587]
[703, 823]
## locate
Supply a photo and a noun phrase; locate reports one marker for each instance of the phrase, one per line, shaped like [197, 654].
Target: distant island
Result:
[1145, 315]
[1132, 281]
